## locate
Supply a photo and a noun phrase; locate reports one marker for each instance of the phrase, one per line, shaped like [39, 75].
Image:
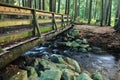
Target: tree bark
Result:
[109, 17]
[52, 5]
[117, 23]
[66, 6]
[90, 11]
[75, 13]
[101, 22]
[58, 11]
[86, 10]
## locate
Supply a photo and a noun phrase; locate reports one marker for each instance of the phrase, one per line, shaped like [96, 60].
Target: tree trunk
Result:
[52, 5]
[78, 8]
[66, 6]
[117, 12]
[90, 11]
[117, 23]
[58, 11]
[75, 13]
[86, 10]
[109, 17]
[43, 5]
[107, 11]
[101, 22]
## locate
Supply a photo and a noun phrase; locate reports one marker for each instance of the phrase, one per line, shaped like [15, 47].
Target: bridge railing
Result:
[18, 23]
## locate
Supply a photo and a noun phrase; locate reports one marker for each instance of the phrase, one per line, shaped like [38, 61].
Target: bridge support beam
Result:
[14, 53]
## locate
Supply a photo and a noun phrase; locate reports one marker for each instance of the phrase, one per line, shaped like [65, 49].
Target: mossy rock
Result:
[97, 76]
[83, 50]
[84, 41]
[75, 44]
[74, 32]
[57, 60]
[84, 45]
[32, 74]
[73, 63]
[62, 66]
[47, 65]
[69, 75]
[89, 49]
[36, 62]
[97, 50]
[51, 75]
[21, 75]
[68, 44]
[31, 71]
[83, 76]
[78, 41]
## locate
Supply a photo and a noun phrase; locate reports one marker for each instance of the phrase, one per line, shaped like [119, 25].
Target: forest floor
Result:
[104, 37]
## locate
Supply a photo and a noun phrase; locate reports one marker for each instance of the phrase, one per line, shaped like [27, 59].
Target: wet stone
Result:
[69, 75]
[51, 75]
[21, 75]
[83, 76]
[97, 76]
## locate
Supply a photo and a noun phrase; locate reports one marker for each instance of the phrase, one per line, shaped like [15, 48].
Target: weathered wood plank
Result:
[12, 10]
[15, 22]
[9, 38]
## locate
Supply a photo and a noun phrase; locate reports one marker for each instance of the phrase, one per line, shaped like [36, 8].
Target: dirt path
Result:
[104, 37]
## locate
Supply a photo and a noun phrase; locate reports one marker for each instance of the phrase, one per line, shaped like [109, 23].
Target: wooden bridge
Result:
[23, 28]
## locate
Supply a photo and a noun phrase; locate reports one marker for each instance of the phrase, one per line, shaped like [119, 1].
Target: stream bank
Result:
[57, 57]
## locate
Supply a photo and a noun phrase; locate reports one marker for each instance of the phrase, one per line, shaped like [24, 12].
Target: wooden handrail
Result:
[6, 9]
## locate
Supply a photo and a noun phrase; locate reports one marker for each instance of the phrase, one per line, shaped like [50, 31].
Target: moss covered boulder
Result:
[97, 76]
[83, 76]
[47, 65]
[51, 75]
[73, 63]
[32, 74]
[21, 75]
[69, 75]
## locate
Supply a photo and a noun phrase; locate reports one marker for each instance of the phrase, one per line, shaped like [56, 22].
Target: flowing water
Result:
[107, 64]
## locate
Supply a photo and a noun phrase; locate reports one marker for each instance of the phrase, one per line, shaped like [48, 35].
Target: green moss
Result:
[45, 29]
[49, 28]
[14, 37]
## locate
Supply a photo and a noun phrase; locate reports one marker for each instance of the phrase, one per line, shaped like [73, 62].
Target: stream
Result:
[107, 64]
[90, 58]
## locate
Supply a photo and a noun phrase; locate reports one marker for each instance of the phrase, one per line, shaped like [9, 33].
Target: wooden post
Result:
[53, 22]
[67, 19]
[63, 23]
[35, 23]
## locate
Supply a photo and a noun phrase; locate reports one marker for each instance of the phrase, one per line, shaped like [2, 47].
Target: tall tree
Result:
[58, 10]
[66, 6]
[75, 9]
[108, 13]
[43, 2]
[52, 5]
[109, 17]
[90, 11]
[117, 21]
[86, 10]
[78, 8]
[101, 22]
[117, 12]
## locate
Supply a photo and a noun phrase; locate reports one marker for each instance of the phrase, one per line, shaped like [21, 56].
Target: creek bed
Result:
[106, 63]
